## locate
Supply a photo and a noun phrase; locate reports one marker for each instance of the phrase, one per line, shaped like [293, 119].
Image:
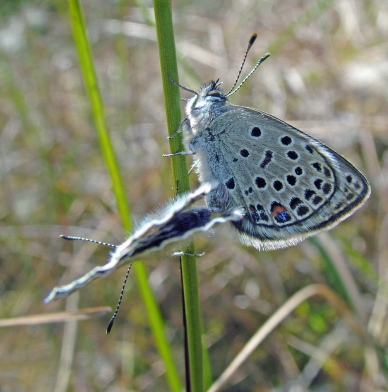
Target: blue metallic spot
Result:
[283, 217]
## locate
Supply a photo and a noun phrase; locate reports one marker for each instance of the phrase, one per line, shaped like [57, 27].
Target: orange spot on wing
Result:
[278, 209]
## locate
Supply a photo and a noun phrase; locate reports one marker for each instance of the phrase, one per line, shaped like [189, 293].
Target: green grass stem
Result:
[167, 53]
[91, 83]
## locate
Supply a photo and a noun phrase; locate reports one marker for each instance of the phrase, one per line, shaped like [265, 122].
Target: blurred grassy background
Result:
[327, 75]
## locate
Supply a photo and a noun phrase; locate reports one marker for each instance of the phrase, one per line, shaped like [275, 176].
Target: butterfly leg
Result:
[191, 168]
[191, 152]
[179, 153]
[188, 254]
[184, 127]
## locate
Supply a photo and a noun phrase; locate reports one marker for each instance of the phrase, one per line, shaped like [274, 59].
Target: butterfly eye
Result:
[215, 94]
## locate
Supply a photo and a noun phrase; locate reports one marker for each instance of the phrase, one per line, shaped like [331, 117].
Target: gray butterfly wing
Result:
[291, 185]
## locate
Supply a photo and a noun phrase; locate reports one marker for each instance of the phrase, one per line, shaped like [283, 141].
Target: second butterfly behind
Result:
[291, 185]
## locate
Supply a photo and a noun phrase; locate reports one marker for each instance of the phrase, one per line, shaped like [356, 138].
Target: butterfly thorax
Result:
[207, 105]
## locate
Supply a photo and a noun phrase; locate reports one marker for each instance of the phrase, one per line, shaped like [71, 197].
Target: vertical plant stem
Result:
[167, 53]
[91, 84]
[90, 79]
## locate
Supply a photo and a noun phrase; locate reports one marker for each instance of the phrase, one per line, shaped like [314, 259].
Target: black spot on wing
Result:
[230, 184]
[260, 182]
[256, 132]
[267, 159]
[292, 155]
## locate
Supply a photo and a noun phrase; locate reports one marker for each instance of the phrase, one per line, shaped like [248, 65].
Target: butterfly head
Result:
[208, 102]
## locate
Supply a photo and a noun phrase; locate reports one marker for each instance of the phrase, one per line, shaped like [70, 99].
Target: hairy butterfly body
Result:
[291, 185]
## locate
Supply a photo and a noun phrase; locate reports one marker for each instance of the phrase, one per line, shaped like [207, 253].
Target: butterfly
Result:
[290, 185]
[170, 225]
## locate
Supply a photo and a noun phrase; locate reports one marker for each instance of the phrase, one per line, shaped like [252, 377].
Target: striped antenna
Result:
[250, 43]
[71, 238]
[112, 320]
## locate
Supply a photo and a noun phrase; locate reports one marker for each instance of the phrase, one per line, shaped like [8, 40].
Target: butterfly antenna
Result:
[71, 238]
[180, 86]
[250, 73]
[112, 320]
[250, 43]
